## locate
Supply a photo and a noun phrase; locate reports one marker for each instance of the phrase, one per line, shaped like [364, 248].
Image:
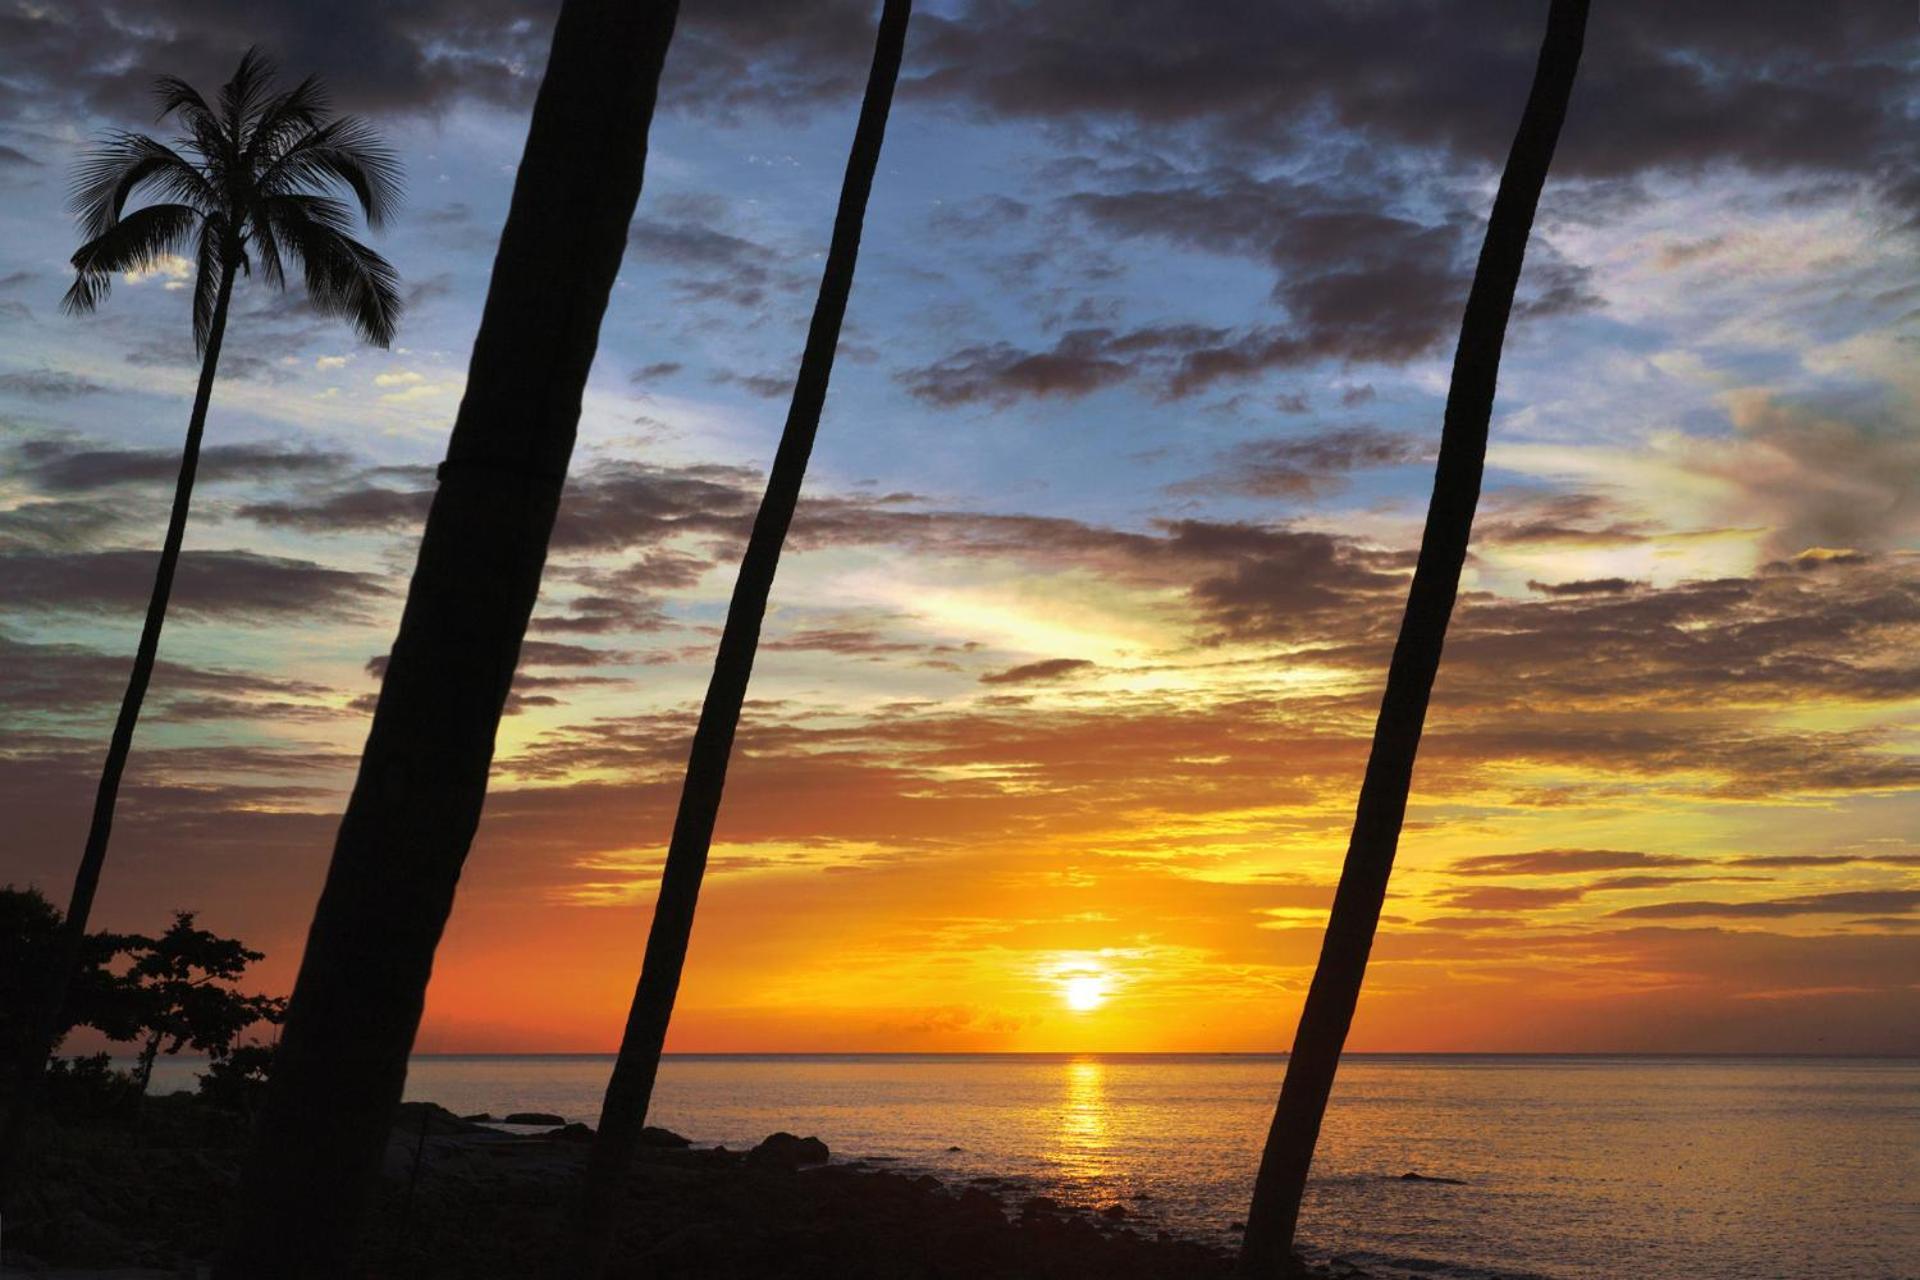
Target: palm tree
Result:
[630, 1090]
[350, 1025]
[1267, 1248]
[255, 180]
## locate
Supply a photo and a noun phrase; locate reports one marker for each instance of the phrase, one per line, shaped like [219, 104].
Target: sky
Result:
[1071, 666]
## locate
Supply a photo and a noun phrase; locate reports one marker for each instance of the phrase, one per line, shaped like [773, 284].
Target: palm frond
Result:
[241, 98]
[177, 96]
[264, 240]
[137, 242]
[344, 277]
[348, 153]
[121, 165]
[286, 118]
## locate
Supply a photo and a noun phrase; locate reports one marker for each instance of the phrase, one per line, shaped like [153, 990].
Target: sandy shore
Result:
[466, 1200]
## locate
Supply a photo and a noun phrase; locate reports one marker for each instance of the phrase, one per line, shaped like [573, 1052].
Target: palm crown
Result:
[259, 179]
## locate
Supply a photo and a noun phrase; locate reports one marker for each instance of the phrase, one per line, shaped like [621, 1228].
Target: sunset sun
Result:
[1085, 992]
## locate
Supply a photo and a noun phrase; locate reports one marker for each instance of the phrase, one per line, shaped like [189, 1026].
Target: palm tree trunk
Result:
[630, 1090]
[350, 1025]
[68, 944]
[1268, 1245]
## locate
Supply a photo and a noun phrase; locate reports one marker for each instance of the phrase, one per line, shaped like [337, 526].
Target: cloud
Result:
[1046, 670]
[50, 384]
[1510, 898]
[367, 507]
[239, 584]
[1587, 587]
[1785, 88]
[1884, 901]
[768, 386]
[709, 264]
[1173, 361]
[607, 507]
[1554, 862]
[1819, 475]
[68, 679]
[1079, 364]
[1789, 861]
[1277, 583]
[1304, 466]
[1356, 283]
[981, 216]
[1834, 629]
[64, 467]
[65, 525]
[1559, 520]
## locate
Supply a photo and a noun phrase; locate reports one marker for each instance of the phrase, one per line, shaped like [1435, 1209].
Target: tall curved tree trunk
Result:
[342, 1060]
[630, 1090]
[1268, 1246]
[32, 1064]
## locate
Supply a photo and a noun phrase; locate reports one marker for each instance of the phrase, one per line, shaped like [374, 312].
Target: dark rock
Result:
[1114, 1212]
[1421, 1177]
[575, 1132]
[1236, 1226]
[533, 1117]
[953, 1149]
[410, 1117]
[653, 1136]
[978, 1206]
[479, 1117]
[785, 1151]
[484, 1207]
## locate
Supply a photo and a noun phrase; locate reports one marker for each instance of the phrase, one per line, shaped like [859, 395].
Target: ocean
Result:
[1567, 1167]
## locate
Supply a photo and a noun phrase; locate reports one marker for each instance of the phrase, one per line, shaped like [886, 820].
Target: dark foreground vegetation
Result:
[461, 1199]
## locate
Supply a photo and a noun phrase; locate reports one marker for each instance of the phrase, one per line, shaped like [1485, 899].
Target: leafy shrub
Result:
[80, 1089]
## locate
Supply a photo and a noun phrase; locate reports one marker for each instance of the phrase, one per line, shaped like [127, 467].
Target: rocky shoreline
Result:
[463, 1199]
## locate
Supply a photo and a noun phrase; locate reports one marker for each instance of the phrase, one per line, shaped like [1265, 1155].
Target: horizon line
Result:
[1182, 1053]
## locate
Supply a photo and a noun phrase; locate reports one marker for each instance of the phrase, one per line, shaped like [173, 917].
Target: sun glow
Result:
[1084, 992]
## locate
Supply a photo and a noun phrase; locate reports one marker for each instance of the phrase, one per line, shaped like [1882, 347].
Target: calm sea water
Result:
[1705, 1168]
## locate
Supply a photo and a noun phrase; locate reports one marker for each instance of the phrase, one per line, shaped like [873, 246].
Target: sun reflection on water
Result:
[1084, 1137]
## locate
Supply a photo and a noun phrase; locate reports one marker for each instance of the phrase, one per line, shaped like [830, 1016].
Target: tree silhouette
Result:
[185, 979]
[630, 1090]
[100, 994]
[342, 1059]
[169, 993]
[256, 180]
[1268, 1245]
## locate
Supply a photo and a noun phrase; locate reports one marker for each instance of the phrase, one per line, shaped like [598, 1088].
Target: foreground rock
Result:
[788, 1152]
[461, 1200]
[533, 1117]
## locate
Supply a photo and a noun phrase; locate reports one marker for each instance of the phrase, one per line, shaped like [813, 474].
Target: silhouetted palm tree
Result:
[630, 1090]
[255, 181]
[1268, 1245]
[342, 1061]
